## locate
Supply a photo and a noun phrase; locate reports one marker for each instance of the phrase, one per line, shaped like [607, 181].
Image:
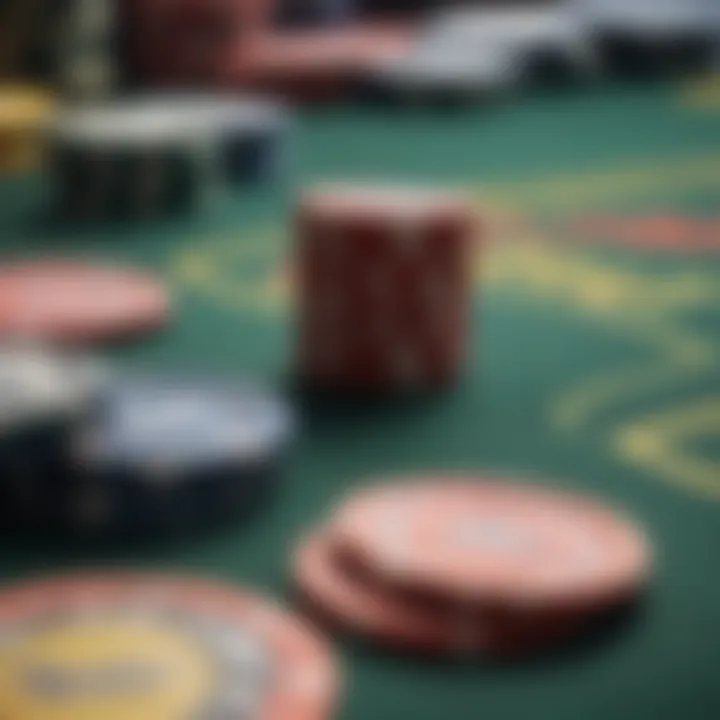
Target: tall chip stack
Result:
[384, 283]
[87, 62]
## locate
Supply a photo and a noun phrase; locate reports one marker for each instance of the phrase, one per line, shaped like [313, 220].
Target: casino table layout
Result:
[595, 364]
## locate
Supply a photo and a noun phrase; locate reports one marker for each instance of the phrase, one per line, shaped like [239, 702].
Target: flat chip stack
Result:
[86, 452]
[170, 454]
[470, 566]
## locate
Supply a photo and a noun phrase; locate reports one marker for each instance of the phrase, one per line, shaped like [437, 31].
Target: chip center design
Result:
[136, 665]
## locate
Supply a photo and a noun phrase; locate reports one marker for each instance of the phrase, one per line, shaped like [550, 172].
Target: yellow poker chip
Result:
[112, 667]
[24, 106]
[147, 648]
[24, 112]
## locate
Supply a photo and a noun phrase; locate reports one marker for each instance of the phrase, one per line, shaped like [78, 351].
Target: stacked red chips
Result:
[384, 278]
[471, 565]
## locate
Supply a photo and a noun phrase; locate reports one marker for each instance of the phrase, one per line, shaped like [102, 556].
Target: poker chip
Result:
[384, 287]
[653, 38]
[45, 398]
[335, 596]
[429, 77]
[75, 303]
[24, 113]
[488, 541]
[481, 53]
[130, 159]
[253, 132]
[342, 597]
[36, 383]
[157, 648]
[470, 567]
[170, 453]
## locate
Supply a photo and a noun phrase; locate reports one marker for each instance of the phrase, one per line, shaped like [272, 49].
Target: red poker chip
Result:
[343, 600]
[79, 303]
[264, 662]
[472, 540]
[384, 287]
[374, 206]
[346, 598]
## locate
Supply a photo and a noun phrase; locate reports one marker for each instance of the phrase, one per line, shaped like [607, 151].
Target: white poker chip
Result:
[488, 50]
[189, 422]
[37, 385]
[651, 19]
[225, 112]
[128, 124]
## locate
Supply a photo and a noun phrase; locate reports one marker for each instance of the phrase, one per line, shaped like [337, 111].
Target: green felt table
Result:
[594, 365]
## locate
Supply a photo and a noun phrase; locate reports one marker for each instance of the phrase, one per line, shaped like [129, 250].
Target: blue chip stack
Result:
[173, 454]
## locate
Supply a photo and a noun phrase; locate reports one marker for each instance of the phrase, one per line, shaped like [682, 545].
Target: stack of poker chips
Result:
[663, 38]
[84, 451]
[155, 155]
[124, 159]
[176, 453]
[471, 566]
[384, 277]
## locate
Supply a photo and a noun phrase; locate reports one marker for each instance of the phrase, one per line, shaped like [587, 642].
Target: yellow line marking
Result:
[679, 355]
[660, 444]
[702, 93]
[572, 190]
[214, 269]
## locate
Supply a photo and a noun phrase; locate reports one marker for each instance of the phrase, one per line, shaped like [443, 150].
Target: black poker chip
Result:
[130, 159]
[169, 454]
[46, 397]
[645, 39]
[252, 132]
